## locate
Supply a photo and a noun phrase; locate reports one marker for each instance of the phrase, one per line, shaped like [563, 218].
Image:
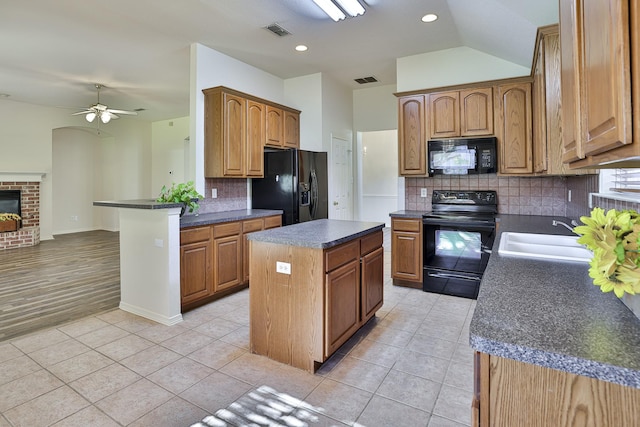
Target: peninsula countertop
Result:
[550, 314]
[321, 233]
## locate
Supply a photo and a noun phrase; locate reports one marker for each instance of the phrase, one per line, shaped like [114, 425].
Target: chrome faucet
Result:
[556, 223]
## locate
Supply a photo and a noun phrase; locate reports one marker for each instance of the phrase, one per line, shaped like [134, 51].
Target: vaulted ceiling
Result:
[53, 52]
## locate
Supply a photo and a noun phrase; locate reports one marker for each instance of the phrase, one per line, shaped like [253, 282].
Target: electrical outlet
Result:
[283, 267]
[214, 193]
[159, 243]
[423, 192]
[74, 217]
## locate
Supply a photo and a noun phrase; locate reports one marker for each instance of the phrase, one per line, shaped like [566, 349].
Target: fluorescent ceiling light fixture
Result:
[429, 17]
[301, 48]
[330, 9]
[352, 7]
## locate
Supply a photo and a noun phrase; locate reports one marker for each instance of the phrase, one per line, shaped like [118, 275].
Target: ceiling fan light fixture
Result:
[90, 116]
[105, 117]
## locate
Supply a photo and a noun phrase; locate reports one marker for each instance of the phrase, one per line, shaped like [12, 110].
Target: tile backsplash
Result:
[516, 195]
[232, 195]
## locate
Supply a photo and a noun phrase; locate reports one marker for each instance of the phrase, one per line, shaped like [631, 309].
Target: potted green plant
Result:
[9, 222]
[184, 193]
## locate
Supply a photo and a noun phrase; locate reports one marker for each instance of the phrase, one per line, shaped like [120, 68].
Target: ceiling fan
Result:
[100, 110]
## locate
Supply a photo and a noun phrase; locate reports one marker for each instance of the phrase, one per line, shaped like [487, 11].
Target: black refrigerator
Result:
[295, 181]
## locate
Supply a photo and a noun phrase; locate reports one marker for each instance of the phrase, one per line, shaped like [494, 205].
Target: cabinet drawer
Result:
[252, 225]
[341, 255]
[272, 222]
[371, 242]
[192, 235]
[227, 229]
[405, 224]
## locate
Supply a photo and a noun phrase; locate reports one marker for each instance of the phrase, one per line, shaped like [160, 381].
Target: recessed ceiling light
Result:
[429, 17]
[301, 48]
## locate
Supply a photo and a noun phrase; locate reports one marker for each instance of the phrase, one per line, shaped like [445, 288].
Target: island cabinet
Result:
[237, 128]
[214, 259]
[462, 113]
[406, 251]
[512, 393]
[600, 82]
[306, 302]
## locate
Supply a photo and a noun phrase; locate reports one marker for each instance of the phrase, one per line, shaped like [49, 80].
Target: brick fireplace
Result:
[29, 186]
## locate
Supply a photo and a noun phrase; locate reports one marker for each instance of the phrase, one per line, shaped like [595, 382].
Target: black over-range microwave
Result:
[462, 156]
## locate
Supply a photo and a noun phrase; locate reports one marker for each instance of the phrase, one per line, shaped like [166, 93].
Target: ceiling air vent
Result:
[277, 30]
[364, 80]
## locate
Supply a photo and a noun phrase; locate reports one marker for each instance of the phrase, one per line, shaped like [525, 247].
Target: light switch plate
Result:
[214, 193]
[283, 267]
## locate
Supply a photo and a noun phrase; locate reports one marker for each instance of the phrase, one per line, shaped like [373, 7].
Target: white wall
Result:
[375, 109]
[451, 67]
[26, 141]
[305, 94]
[168, 154]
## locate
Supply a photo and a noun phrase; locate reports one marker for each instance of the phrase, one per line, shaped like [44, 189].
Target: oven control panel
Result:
[488, 197]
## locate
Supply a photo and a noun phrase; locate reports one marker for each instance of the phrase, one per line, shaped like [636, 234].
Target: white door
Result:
[341, 203]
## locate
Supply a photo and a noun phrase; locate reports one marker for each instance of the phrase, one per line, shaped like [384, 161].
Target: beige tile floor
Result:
[410, 366]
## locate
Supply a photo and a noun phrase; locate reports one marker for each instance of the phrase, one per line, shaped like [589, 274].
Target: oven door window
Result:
[458, 244]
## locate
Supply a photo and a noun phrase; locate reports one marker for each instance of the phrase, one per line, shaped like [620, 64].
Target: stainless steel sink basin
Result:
[543, 246]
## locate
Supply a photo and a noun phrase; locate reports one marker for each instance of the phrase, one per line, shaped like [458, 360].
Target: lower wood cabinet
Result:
[302, 318]
[406, 251]
[214, 259]
[512, 393]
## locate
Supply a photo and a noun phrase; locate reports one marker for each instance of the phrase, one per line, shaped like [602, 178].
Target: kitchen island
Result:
[552, 349]
[150, 284]
[313, 285]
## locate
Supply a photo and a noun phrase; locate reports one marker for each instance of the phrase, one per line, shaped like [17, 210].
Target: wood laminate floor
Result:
[57, 281]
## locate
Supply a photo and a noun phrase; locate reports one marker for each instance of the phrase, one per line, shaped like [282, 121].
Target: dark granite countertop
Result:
[407, 214]
[226, 216]
[137, 204]
[321, 233]
[550, 314]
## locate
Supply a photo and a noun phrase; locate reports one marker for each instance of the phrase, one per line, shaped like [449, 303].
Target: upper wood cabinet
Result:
[513, 128]
[598, 44]
[291, 129]
[466, 112]
[238, 126]
[412, 135]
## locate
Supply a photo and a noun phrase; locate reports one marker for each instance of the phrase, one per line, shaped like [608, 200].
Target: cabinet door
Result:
[342, 310]
[444, 113]
[572, 150]
[604, 74]
[514, 132]
[275, 127]
[372, 272]
[256, 128]
[476, 112]
[248, 226]
[233, 135]
[406, 249]
[291, 129]
[227, 258]
[539, 113]
[412, 149]
[195, 272]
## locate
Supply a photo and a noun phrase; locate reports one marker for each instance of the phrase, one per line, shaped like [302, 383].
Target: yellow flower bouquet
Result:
[613, 237]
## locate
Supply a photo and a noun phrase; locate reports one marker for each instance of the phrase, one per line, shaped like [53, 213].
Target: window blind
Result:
[626, 181]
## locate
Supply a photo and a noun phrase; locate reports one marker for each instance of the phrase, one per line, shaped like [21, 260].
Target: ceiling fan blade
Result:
[130, 113]
[82, 112]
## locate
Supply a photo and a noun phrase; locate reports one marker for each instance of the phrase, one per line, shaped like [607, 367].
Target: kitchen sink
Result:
[543, 246]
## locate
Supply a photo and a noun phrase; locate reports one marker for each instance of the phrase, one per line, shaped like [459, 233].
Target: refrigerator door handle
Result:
[313, 180]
